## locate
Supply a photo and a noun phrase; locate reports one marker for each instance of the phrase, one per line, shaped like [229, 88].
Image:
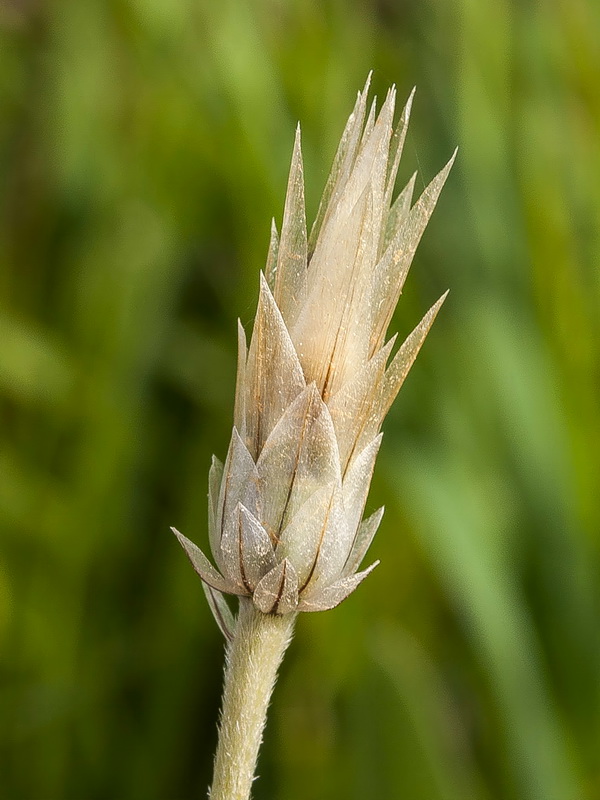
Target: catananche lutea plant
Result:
[313, 388]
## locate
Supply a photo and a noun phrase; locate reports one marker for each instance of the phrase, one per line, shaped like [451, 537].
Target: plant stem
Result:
[252, 661]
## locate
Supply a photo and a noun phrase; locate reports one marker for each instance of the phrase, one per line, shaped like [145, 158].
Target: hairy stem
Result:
[253, 658]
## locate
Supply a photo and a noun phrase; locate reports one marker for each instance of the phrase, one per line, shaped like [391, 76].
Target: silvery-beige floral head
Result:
[317, 380]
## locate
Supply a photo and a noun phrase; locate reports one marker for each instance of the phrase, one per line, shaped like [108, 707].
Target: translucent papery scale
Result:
[316, 382]
[247, 549]
[240, 484]
[399, 211]
[342, 164]
[300, 456]
[277, 592]
[352, 405]
[335, 327]
[289, 276]
[321, 335]
[392, 269]
[319, 519]
[396, 148]
[335, 549]
[323, 599]
[273, 376]
[362, 541]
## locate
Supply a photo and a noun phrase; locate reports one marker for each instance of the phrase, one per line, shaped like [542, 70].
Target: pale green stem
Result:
[253, 658]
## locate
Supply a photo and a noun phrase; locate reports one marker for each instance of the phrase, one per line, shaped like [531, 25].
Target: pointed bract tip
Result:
[391, 341]
[264, 285]
[367, 86]
[408, 104]
[433, 311]
[445, 171]
[431, 314]
[387, 109]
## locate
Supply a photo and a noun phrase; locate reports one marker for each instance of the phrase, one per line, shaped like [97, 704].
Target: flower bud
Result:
[316, 382]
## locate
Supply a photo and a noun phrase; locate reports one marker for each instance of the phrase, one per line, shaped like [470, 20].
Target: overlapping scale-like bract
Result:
[316, 382]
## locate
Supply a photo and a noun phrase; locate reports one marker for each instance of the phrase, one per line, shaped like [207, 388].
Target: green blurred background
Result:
[144, 146]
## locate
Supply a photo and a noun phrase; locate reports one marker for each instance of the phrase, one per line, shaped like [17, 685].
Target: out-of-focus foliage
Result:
[144, 147]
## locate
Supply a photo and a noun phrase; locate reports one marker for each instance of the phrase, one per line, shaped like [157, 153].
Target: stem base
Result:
[252, 661]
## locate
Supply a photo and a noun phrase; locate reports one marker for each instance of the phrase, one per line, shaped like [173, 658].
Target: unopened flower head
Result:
[318, 378]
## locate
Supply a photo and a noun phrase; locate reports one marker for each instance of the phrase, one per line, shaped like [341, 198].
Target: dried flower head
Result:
[316, 382]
